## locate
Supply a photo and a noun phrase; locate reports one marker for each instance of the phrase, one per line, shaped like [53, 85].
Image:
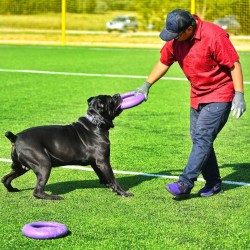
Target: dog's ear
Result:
[90, 99]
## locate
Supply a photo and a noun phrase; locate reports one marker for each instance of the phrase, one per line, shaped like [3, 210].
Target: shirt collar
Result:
[197, 34]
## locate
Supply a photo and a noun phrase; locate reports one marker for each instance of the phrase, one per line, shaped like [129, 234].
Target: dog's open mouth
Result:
[130, 100]
[118, 101]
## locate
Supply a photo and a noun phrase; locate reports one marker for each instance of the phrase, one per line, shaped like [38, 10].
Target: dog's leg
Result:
[99, 174]
[39, 162]
[109, 179]
[17, 170]
[43, 173]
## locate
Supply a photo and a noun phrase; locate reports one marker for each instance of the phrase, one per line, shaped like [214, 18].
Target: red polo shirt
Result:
[206, 60]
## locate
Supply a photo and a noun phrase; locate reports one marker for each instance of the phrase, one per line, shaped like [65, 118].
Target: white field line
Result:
[88, 74]
[82, 74]
[141, 173]
[115, 76]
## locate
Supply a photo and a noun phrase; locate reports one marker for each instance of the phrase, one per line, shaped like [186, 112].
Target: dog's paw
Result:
[124, 193]
[127, 194]
[48, 196]
[13, 189]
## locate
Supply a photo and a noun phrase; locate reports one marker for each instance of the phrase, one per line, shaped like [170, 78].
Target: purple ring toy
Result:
[44, 230]
[129, 100]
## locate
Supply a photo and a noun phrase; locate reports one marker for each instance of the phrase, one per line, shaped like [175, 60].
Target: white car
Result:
[122, 23]
[229, 23]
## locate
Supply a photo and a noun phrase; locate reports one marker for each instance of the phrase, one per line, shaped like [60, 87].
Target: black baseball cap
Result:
[177, 21]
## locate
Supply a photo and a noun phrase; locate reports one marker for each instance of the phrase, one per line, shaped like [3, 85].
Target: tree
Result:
[154, 12]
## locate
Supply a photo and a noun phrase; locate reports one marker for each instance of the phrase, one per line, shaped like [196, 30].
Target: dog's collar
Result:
[94, 121]
[100, 122]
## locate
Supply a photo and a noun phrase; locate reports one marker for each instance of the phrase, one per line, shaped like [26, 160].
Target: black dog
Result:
[85, 142]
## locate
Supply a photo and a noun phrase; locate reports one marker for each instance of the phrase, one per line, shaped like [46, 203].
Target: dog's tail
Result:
[11, 136]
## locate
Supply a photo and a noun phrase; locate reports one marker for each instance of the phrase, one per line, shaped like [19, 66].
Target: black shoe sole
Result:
[180, 196]
[203, 195]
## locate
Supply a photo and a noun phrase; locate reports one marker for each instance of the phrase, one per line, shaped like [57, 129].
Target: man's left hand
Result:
[238, 104]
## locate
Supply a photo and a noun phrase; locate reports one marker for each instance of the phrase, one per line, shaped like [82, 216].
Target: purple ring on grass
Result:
[129, 100]
[44, 230]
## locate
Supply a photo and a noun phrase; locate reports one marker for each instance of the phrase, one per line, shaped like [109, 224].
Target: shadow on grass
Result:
[191, 196]
[241, 174]
[126, 182]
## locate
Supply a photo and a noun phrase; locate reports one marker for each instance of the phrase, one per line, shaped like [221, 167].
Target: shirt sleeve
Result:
[167, 55]
[224, 51]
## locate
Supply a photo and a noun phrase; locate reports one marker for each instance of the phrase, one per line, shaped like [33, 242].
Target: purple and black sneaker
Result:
[179, 189]
[209, 190]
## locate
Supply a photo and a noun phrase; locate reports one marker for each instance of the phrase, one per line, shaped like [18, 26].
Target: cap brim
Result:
[165, 35]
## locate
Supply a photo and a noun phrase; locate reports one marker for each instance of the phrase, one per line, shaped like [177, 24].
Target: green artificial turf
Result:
[151, 138]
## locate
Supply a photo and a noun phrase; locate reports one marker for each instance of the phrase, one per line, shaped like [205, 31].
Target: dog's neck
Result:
[99, 121]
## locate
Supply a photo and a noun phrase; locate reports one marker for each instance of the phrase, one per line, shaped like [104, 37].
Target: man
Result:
[211, 64]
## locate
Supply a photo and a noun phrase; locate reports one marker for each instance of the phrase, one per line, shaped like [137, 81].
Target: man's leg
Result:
[211, 120]
[210, 170]
[206, 123]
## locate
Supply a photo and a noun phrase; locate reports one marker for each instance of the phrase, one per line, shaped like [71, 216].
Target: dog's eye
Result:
[100, 105]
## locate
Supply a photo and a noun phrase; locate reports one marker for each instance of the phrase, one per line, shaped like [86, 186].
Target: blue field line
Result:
[27, 71]
[141, 173]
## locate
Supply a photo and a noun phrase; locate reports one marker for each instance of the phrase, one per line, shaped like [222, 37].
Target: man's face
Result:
[186, 34]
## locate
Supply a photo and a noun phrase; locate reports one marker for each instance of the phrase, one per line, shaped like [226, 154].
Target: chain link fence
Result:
[40, 21]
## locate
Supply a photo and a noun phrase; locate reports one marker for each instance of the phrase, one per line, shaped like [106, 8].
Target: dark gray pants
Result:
[205, 124]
